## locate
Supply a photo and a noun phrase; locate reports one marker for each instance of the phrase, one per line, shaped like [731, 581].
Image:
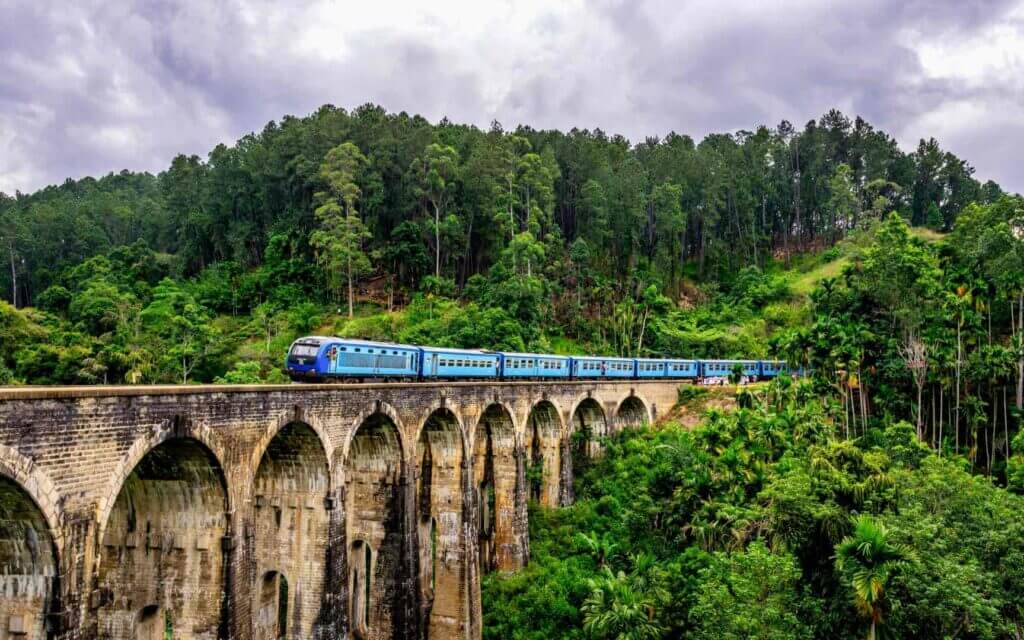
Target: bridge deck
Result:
[31, 392]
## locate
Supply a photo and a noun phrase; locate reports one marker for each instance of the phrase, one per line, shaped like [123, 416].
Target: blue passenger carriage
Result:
[723, 368]
[459, 363]
[772, 368]
[601, 367]
[534, 365]
[364, 358]
[682, 368]
[650, 368]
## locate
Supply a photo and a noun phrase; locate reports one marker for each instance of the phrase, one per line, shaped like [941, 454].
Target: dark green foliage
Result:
[764, 523]
[583, 240]
[929, 333]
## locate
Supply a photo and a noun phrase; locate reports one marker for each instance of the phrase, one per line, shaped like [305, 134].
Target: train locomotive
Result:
[327, 359]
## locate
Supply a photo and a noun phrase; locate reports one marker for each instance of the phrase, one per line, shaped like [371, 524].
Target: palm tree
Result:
[602, 547]
[617, 609]
[867, 560]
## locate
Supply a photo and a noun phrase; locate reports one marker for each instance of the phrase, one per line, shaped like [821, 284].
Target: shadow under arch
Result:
[545, 447]
[631, 413]
[295, 416]
[588, 425]
[440, 491]
[498, 482]
[29, 565]
[164, 555]
[290, 524]
[379, 523]
[175, 428]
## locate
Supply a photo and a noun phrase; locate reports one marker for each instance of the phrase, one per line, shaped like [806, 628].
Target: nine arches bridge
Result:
[301, 511]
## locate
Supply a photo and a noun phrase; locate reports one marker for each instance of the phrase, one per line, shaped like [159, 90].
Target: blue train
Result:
[321, 358]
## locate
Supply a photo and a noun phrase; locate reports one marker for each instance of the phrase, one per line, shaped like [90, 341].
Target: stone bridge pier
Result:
[283, 511]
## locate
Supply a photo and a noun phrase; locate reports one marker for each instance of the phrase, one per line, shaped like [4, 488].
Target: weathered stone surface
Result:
[313, 511]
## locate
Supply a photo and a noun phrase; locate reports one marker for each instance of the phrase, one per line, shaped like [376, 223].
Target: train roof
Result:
[475, 352]
[666, 360]
[603, 358]
[515, 354]
[364, 343]
[319, 338]
[728, 360]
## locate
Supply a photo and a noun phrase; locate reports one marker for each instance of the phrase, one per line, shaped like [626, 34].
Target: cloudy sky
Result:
[89, 87]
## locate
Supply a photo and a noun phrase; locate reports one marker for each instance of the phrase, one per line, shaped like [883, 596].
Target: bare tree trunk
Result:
[350, 287]
[1006, 423]
[863, 399]
[956, 414]
[995, 429]
[1020, 359]
[920, 412]
[14, 275]
[437, 241]
[941, 421]
[932, 421]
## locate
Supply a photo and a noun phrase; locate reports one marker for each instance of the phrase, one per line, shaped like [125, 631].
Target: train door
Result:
[433, 365]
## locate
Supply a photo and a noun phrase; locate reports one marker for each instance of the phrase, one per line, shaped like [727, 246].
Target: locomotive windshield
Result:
[305, 350]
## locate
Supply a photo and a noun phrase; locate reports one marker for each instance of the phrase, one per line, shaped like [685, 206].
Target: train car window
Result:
[344, 348]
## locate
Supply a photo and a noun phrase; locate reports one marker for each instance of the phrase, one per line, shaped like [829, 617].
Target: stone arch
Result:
[29, 564]
[296, 415]
[588, 418]
[378, 525]
[632, 412]
[290, 525]
[176, 427]
[440, 490]
[37, 484]
[378, 410]
[497, 488]
[164, 551]
[544, 445]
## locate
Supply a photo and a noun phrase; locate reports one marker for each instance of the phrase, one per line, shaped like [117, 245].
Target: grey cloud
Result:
[90, 88]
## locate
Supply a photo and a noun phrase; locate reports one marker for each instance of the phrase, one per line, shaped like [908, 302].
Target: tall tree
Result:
[339, 240]
[867, 560]
[436, 174]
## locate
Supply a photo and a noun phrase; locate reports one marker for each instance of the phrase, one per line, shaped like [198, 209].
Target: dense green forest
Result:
[768, 522]
[547, 240]
[878, 494]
